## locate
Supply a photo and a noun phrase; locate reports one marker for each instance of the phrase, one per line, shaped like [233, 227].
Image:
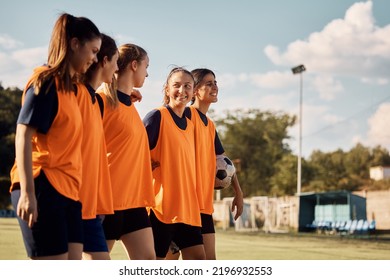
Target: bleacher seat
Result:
[346, 227]
[365, 227]
[359, 227]
[372, 227]
[353, 226]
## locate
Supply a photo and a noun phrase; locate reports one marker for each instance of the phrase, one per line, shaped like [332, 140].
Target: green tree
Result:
[9, 110]
[329, 169]
[284, 180]
[379, 157]
[346, 170]
[258, 139]
[357, 161]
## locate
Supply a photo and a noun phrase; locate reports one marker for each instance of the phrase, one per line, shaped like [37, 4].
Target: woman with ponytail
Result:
[128, 158]
[47, 174]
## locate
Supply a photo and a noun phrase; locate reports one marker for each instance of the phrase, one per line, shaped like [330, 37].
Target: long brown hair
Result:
[108, 49]
[65, 28]
[199, 75]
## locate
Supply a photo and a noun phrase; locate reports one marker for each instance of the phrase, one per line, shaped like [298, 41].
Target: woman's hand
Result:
[135, 95]
[27, 208]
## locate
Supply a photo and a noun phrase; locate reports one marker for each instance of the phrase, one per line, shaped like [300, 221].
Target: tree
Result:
[328, 169]
[9, 110]
[340, 170]
[284, 180]
[357, 161]
[258, 139]
[379, 157]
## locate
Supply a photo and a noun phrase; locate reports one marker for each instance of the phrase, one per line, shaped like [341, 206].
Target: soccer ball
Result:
[224, 172]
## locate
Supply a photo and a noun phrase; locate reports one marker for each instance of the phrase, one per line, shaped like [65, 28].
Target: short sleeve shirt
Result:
[39, 110]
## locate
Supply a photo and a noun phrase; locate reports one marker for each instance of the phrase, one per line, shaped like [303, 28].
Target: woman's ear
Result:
[74, 43]
[166, 95]
[104, 61]
[134, 65]
[195, 93]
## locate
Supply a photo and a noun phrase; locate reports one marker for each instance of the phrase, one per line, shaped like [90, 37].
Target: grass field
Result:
[243, 246]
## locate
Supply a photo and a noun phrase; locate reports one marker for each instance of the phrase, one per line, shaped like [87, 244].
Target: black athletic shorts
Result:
[125, 221]
[182, 234]
[207, 223]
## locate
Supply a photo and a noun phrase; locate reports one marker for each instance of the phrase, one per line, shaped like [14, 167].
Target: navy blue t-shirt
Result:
[92, 92]
[124, 98]
[39, 110]
[152, 124]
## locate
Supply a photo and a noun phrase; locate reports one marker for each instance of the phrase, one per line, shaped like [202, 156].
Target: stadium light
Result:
[298, 70]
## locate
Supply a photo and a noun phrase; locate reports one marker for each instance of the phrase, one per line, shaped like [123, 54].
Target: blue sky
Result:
[251, 46]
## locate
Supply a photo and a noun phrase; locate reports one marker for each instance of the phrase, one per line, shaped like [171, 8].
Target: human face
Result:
[110, 67]
[180, 89]
[83, 55]
[141, 72]
[207, 90]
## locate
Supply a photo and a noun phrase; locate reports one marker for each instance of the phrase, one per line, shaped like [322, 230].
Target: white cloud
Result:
[273, 79]
[352, 46]
[379, 132]
[280, 102]
[16, 66]
[122, 39]
[375, 81]
[229, 81]
[8, 43]
[152, 96]
[357, 139]
[327, 86]
[316, 118]
[30, 58]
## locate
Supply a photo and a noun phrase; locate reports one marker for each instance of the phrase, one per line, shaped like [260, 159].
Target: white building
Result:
[380, 172]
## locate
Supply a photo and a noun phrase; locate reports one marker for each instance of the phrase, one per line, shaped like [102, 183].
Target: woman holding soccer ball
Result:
[207, 143]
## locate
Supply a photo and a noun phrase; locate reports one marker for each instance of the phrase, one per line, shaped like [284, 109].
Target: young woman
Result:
[176, 216]
[207, 146]
[129, 159]
[48, 139]
[95, 191]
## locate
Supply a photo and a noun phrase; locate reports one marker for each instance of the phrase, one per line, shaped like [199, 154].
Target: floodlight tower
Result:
[298, 70]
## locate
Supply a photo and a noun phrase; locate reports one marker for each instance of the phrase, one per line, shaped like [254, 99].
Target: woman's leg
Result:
[139, 244]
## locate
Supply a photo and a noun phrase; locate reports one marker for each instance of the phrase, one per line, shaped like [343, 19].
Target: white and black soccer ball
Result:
[224, 172]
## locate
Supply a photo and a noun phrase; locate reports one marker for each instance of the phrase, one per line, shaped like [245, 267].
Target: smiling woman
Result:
[176, 216]
[46, 176]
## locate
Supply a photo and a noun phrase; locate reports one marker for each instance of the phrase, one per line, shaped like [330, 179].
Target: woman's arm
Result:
[27, 205]
[238, 201]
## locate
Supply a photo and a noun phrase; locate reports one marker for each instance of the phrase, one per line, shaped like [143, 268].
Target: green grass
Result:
[243, 246]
